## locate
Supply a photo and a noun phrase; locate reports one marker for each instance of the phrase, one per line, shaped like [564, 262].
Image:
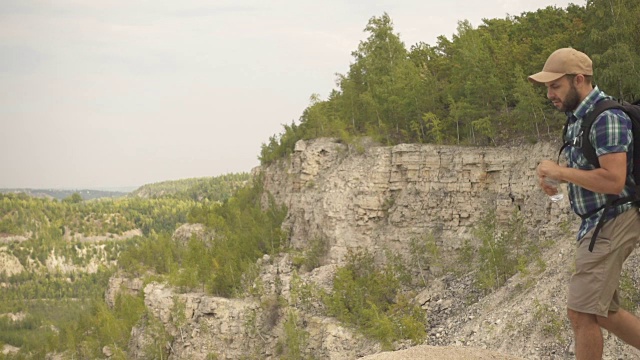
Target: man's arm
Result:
[609, 178]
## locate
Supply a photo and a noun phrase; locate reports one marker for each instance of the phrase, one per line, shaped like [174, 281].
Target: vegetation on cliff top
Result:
[471, 89]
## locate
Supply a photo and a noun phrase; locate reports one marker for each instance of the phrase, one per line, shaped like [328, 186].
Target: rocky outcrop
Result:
[202, 326]
[9, 350]
[55, 263]
[14, 317]
[84, 259]
[9, 264]
[382, 197]
[183, 234]
[119, 284]
[107, 237]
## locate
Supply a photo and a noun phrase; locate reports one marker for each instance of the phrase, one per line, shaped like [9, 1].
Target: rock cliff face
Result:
[211, 327]
[379, 198]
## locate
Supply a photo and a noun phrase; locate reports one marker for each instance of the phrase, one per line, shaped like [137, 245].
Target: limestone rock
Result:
[382, 197]
[203, 325]
[119, 284]
[9, 264]
[184, 233]
[9, 350]
[107, 351]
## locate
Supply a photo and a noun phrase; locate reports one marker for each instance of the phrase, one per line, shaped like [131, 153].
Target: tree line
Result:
[51, 220]
[470, 89]
[154, 207]
[216, 188]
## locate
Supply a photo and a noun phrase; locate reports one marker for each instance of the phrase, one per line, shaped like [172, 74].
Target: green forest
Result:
[65, 311]
[471, 89]
[64, 193]
[468, 90]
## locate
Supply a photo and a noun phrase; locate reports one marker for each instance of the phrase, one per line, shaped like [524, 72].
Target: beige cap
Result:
[562, 62]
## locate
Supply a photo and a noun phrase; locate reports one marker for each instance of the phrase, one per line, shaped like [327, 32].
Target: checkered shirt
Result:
[610, 133]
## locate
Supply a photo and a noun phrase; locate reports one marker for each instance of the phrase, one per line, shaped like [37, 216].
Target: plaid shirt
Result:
[610, 133]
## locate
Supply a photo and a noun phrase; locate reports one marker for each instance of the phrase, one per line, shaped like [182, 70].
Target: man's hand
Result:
[609, 178]
[548, 169]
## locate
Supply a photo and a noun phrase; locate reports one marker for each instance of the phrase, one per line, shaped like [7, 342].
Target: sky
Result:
[121, 93]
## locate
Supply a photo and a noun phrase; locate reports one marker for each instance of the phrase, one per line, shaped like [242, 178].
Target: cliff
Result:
[381, 197]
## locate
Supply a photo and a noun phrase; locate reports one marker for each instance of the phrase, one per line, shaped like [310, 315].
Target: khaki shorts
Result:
[593, 288]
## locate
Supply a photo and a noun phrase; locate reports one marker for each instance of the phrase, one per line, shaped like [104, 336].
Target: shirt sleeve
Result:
[611, 132]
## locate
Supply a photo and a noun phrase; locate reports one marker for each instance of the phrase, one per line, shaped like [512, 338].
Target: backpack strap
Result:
[587, 148]
[589, 152]
[566, 142]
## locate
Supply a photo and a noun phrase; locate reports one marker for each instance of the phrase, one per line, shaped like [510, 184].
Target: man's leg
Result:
[593, 287]
[588, 336]
[624, 325]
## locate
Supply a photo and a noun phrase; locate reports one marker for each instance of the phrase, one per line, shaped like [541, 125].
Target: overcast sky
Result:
[119, 93]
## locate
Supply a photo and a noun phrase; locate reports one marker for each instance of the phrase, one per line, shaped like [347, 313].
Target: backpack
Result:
[633, 111]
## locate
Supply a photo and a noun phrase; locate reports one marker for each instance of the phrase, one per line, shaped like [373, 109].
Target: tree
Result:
[531, 110]
[473, 86]
[376, 72]
[435, 127]
[75, 198]
[614, 45]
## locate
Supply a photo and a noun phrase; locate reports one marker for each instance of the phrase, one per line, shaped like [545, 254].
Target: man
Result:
[592, 300]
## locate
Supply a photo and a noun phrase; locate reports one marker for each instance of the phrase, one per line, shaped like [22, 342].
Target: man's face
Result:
[563, 94]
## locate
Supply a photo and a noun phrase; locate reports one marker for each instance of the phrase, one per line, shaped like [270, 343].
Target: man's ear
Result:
[579, 80]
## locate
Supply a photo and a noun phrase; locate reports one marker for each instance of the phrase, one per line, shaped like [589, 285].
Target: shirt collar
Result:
[587, 104]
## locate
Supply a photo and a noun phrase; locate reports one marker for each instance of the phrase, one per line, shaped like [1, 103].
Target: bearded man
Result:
[592, 299]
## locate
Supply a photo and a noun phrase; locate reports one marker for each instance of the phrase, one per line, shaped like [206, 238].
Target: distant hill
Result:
[217, 188]
[65, 193]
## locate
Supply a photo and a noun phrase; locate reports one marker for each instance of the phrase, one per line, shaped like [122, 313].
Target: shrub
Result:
[425, 254]
[272, 309]
[369, 297]
[503, 251]
[554, 324]
[295, 338]
[316, 254]
[247, 226]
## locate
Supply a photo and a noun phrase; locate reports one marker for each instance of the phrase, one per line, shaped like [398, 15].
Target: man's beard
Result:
[572, 100]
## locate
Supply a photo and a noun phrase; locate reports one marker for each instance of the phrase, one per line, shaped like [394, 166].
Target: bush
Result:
[295, 338]
[369, 297]
[247, 226]
[504, 250]
[316, 254]
[156, 252]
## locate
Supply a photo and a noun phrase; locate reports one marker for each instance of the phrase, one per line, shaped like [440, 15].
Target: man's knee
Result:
[580, 319]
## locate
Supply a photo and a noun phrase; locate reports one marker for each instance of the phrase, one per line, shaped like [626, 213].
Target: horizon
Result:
[113, 188]
[123, 189]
